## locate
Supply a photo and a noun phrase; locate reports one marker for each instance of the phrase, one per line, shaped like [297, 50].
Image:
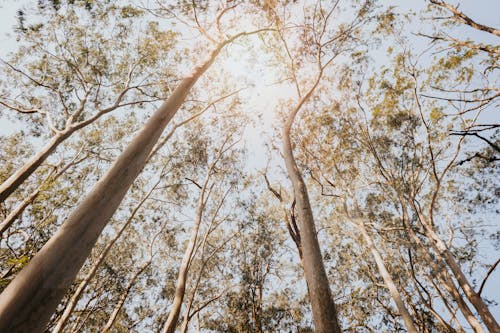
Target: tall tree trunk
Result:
[323, 307]
[389, 282]
[180, 288]
[447, 282]
[470, 293]
[30, 299]
[13, 182]
[475, 299]
[123, 298]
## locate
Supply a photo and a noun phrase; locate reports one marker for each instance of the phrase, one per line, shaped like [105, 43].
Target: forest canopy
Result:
[250, 166]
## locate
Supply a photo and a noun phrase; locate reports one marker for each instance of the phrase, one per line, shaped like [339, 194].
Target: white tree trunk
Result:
[180, 288]
[386, 276]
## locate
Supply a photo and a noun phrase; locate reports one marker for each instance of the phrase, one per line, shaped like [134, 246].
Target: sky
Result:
[485, 11]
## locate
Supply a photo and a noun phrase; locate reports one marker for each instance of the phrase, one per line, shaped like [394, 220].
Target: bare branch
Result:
[492, 268]
[461, 17]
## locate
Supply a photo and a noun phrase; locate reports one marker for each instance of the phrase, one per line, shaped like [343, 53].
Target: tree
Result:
[205, 192]
[315, 45]
[30, 299]
[77, 77]
[351, 161]
[473, 90]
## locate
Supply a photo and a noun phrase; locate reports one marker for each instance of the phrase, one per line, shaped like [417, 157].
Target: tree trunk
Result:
[472, 296]
[180, 288]
[30, 299]
[476, 300]
[187, 316]
[446, 281]
[88, 277]
[13, 182]
[123, 298]
[323, 307]
[393, 290]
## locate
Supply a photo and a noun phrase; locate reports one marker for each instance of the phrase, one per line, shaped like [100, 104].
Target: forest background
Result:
[397, 143]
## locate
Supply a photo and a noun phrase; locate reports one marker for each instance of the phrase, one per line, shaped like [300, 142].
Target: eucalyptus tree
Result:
[336, 153]
[169, 164]
[374, 178]
[321, 42]
[32, 296]
[417, 163]
[207, 187]
[335, 164]
[67, 72]
[430, 178]
[394, 145]
[357, 220]
[72, 302]
[472, 57]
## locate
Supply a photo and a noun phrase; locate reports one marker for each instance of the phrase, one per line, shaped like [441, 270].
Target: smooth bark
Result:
[91, 273]
[386, 276]
[30, 299]
[180, 288]
[323, 307]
